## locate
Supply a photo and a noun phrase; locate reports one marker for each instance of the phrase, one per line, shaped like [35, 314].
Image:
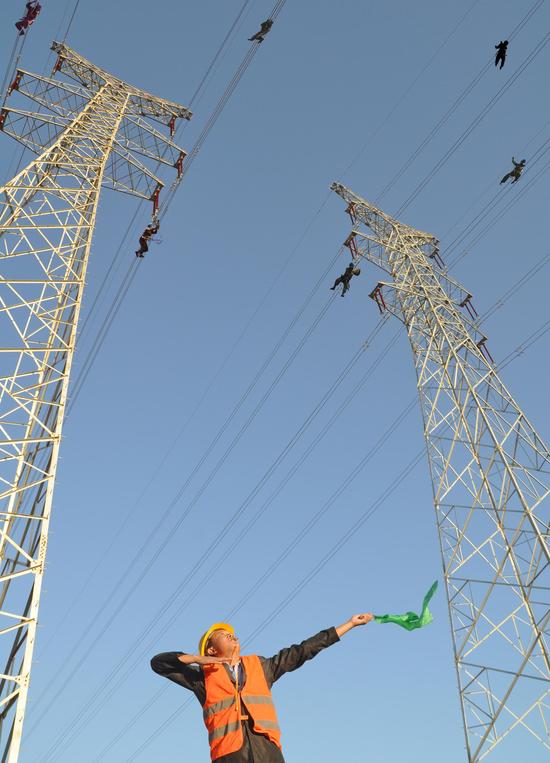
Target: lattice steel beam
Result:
[91, 136]
[490, 474]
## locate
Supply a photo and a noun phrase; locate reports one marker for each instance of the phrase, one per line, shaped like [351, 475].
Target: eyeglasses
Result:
[223, 634]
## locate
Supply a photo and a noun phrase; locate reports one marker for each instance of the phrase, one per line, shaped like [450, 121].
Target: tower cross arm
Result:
[60, 97]
[93, 77]
[383, 225]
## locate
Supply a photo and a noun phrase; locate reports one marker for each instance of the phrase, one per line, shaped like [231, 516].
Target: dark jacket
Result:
[256, 747]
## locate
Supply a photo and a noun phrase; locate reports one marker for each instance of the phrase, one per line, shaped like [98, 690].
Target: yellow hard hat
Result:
[205, 636]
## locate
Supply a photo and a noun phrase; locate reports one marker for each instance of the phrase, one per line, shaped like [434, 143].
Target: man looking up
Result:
[235, 690]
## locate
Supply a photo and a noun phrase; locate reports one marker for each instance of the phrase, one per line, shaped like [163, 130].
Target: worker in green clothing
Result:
[346, 277]
[516, 172]
[502, 49]
[265, 27]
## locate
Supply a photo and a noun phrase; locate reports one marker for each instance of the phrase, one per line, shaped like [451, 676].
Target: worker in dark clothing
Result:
[515, 173]
[235, 690]
[346, 277]
[501, 49]
[265, 26]
[149, 231]
[32, 8]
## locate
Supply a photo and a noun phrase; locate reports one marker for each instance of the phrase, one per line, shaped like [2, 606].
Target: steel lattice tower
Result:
[90, 132]
[490, 476]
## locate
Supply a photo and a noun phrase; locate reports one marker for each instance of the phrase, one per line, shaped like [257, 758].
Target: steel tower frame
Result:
[490, 474]
[92, 131]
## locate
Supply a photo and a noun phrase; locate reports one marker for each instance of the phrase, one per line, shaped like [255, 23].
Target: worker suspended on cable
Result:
[346, 277]
[265, 26]
[516, 172]
[501, 49]
[32, 8]
[235, 690]
[149, 231]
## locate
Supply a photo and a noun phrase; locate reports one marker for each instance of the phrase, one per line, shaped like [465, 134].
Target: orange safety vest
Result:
[223, 713]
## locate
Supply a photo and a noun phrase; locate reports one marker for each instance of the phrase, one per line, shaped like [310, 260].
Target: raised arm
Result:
[180, 668]
[353, 622]
[293, 657]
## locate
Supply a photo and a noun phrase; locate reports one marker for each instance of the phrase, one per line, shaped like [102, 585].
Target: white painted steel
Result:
[490, 473]
[47, 218]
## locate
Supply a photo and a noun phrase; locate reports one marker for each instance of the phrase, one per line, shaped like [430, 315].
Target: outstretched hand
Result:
[354, 620]
[361, 619]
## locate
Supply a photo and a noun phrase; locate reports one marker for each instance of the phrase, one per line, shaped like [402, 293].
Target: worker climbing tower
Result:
[491, 475]
[91, 131]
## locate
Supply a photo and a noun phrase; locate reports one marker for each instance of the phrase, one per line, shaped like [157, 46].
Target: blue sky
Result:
[303, 115]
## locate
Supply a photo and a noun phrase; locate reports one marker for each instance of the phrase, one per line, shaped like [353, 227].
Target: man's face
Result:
[223, 644]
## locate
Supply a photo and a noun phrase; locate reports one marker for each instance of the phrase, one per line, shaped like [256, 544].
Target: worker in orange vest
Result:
[235, 690]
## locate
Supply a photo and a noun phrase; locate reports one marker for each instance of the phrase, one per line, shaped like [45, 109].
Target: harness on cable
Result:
[345, 278]
[147, 236]
[265, 27]
[32, 9]
[515, 172]
[410, 620]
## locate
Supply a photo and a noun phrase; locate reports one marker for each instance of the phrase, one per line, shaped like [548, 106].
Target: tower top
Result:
[380, 222]
[92, 77]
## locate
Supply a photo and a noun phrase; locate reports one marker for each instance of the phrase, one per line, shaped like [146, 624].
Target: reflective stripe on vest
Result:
[223, 711]
[256, 699]
[222, 731]
[249, 700]
[223, 704]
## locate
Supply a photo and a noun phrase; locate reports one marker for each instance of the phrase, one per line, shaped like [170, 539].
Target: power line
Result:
[130, 655]
[375, 449]
[304, 581]
[131, 512]
[410, 87]
[79, 382]
[100, 292]
[89, 361]
[312, 522]
[9, 67]
[124, 286]
[220, 50]
[103, 331]
[526, 344]
[81, 379]
[456, 103]
[67, 30]
[4, 90]
[528, 186]
[515, 198]
[333, 551]
[252, 521]
[215, 469]
[257, 515]
[473, 124]
[473, 204]
[218, 109]
[494, 201]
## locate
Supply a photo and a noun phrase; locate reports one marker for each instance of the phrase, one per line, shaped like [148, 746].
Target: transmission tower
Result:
[490, 476]
[91, 131]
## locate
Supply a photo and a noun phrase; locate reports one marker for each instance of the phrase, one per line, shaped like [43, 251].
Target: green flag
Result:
[410, 620]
